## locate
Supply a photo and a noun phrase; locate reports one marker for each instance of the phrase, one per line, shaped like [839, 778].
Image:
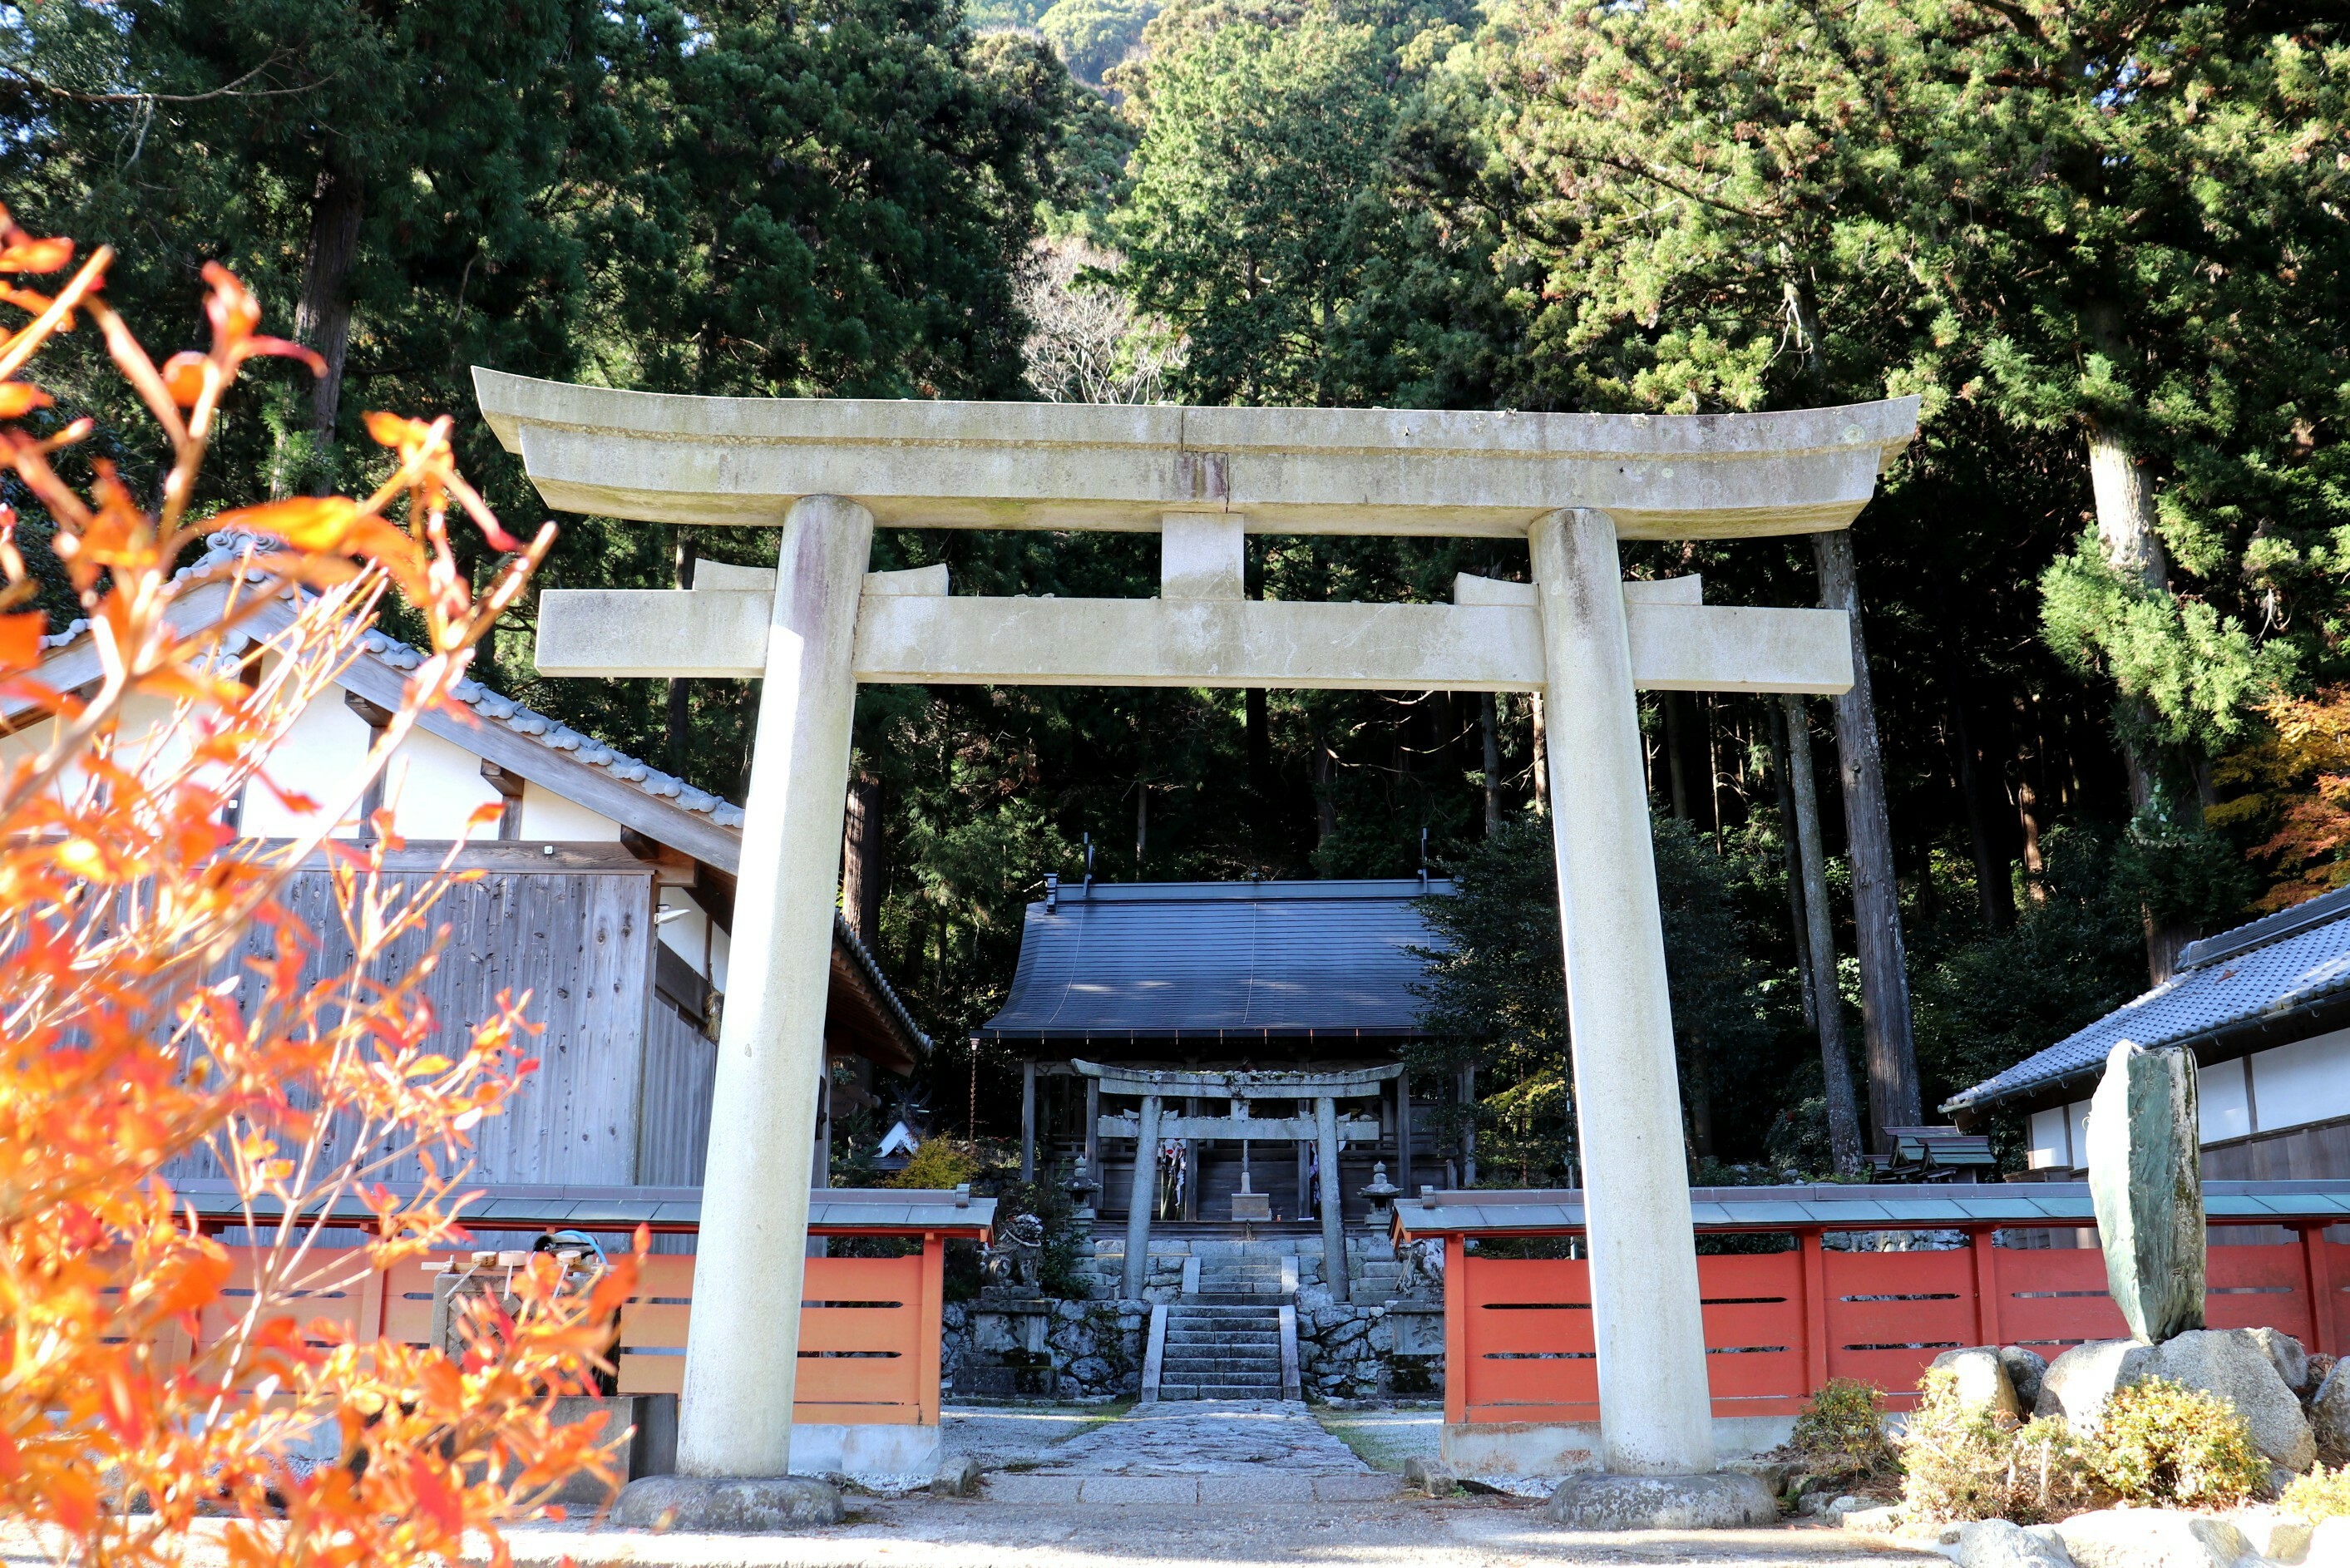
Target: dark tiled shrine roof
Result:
[1219, 960]
[1480, 1211]
[512, 1205]
[2253, 978]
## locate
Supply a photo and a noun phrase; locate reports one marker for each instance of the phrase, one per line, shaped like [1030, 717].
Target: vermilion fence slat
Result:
[1527, 1340]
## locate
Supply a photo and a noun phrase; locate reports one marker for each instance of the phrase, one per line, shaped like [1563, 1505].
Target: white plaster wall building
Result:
[2266, 1010]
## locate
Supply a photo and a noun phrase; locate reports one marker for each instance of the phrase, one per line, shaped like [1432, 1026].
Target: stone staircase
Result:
[1233, 1334]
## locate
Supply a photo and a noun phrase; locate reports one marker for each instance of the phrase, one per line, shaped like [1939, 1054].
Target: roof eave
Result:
[2240, 1037]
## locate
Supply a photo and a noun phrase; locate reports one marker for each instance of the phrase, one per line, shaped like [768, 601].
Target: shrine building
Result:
[1243, 1001]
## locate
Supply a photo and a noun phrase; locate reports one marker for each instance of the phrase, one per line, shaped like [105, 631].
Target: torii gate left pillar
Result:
[1201, 477]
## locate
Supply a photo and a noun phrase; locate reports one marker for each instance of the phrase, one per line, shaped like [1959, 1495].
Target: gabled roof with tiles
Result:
[2261, 978]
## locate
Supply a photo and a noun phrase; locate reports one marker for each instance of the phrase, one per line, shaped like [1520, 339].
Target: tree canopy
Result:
[2106, 246]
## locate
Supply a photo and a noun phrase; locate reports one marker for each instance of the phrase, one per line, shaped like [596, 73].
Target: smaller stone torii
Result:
[829, 472]
[1155, 1086]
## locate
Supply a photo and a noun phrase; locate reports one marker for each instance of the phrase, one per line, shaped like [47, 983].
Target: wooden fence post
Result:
[1815, 1310]
[926, 1376]
[1456, 1330]
[2317, 1271]
[1987, 1294]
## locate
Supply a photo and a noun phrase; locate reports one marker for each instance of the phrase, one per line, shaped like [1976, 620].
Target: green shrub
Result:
[2322, 1494]
[1842, 1431]
[2159, 1442]
[937, 1162]
[1961, 1463]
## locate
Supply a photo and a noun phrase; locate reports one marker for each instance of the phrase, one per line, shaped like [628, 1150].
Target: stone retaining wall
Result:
[1384, 1345]
[1082, 1352]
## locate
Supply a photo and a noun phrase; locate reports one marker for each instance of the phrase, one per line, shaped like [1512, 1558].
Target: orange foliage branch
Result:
[2294, 784]
[155, 1014]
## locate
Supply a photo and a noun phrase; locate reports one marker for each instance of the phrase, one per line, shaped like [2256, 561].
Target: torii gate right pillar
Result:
[1656, 1415]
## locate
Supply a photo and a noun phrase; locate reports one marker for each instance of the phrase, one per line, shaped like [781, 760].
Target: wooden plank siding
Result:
[681, 1071]
[581, 943]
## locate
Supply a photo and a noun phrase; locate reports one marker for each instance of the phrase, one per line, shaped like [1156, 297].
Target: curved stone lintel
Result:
[659, 458]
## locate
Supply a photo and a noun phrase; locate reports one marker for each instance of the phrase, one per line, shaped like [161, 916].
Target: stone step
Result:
[1221, 1391]
[1269, 1326]
[1211, 1355]
[1213, 1341]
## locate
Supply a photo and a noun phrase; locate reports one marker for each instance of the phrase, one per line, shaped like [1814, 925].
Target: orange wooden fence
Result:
[868, 1335]
[1518, 1336]
[869, 1327]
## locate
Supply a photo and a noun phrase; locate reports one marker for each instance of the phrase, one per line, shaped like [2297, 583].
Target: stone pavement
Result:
[1200, 1452]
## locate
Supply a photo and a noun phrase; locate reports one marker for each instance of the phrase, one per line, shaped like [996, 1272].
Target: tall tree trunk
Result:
[1677, 752]
[2027, 818]
[862, 870]
[679, 727]
[1712, 770]
[1700, 1100]
[2128, 529]
[1891, 1048]
[1993, 887]
[322, 318]
[1542, 754]
[1141, 824]
[1325, 802]
[1788, 838]
[1489, 731]
[1262, 781]
[1844, 1116]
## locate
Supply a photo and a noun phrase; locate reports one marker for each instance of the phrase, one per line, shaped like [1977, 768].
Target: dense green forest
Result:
[2107, 244]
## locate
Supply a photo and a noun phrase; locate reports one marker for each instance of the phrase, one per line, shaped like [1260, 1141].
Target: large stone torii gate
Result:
[830, 471]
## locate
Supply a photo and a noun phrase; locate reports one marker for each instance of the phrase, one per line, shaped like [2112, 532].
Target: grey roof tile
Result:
[221, 548]
[2258, 970]
[1166, 959]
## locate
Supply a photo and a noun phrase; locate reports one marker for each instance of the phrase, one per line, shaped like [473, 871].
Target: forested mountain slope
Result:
[2106, 244]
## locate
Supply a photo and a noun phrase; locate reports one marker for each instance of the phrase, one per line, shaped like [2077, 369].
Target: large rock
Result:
[2235, 1365]
[2291, 1358]
[1982, 1379]
[1723, 1500]
[2078, 1383]
[2145, 1179]
[1996, 1544]
[2025, 1368]
[2270, 1535]
[2329, 1414]
[2151, 1538]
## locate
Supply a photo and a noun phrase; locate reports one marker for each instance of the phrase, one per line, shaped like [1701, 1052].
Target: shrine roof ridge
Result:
[1245, 891]
[668, 457]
